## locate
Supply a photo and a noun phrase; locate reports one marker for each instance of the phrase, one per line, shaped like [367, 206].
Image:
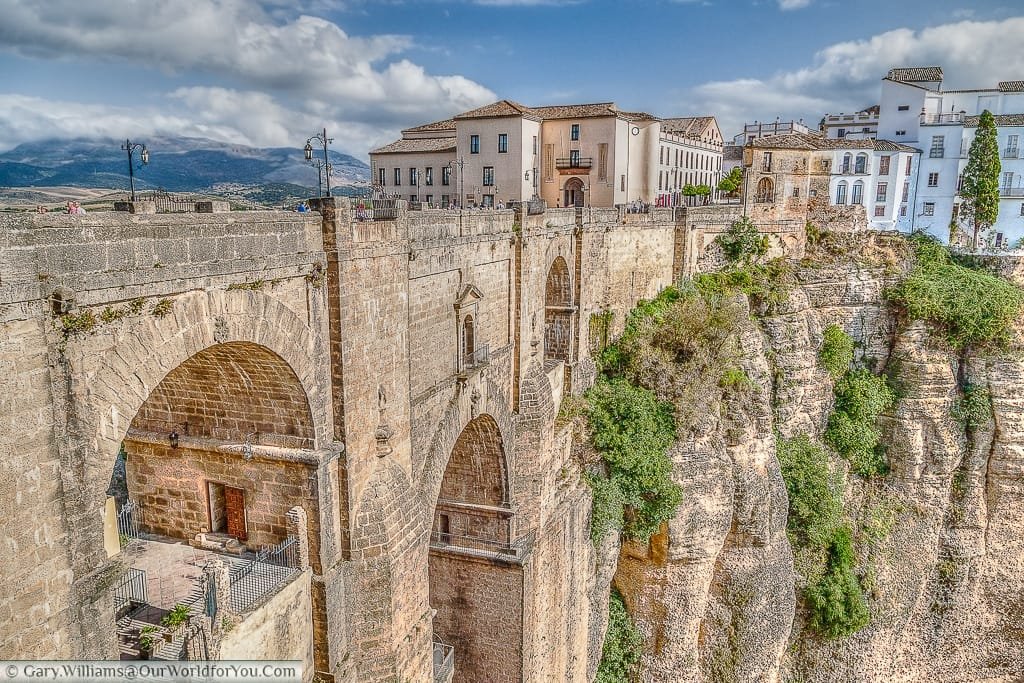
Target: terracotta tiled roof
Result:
[417, 145]
[916, 74]
[577, 111]
[812, 141]
[687, 126]
[1011, 86]
[497, 109]
[447, 124]
[1001, 120]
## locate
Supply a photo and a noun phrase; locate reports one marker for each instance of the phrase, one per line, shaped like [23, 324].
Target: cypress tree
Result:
[980, 189]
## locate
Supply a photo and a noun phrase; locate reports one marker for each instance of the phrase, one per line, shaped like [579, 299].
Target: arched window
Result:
[862, 164]
[847, 159]
[558, 312]
[858, 193]
[841, 192]
[765, 191]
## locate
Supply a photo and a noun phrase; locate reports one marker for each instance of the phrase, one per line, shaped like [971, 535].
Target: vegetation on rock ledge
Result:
[622, 644]
[836, 351]
[860, 398]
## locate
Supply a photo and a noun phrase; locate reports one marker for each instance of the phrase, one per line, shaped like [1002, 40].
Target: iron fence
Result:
[272, 567]
[444, 662]
[130, 589]
[129, 522]
[514, 549]
[480, 357]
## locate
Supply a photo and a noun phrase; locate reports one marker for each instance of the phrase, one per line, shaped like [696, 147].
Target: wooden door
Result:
[234, 505]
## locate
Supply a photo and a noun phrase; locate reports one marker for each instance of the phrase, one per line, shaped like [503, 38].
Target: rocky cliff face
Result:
[939, 538]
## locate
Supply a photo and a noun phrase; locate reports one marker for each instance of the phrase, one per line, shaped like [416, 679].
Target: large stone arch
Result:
[112, 373]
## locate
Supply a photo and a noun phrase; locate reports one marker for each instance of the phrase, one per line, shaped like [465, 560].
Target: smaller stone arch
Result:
[558, 309]
[765, 191]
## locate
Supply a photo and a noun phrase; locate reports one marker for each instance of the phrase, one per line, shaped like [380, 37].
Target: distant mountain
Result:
[177, 164]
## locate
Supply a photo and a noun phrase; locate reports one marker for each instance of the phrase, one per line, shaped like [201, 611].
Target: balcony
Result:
[573, 162]
[1011, 191]
[942, 119]
[483, 547]
[444, 662]
[1010, 153]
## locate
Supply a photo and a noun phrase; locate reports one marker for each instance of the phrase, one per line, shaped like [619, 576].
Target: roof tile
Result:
[916, 74]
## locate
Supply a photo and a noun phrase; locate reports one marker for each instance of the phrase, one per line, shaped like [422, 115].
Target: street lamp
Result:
[130, 147]
[319, 163]
[460, 164]
[308, 149]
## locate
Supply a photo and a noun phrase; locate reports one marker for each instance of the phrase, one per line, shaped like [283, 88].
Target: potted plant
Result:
[147, 641]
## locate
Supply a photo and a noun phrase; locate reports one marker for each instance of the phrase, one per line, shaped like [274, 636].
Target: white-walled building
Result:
[859, 125]
[914, 110]
[757, 130]
[568, 155]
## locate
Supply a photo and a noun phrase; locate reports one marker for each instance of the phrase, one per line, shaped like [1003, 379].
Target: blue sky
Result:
[271, 72]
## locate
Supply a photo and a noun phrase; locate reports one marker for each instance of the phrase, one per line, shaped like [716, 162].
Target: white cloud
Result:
[793, 4]
[845, 77]
[310, 63]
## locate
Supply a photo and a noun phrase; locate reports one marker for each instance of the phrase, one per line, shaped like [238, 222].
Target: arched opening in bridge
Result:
[475, 579]
[215, 465]
[558, 311]
[765, 191]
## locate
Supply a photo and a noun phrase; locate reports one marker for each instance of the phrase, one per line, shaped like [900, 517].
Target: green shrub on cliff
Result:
[623, 644]
[836, 600]
[974, 408]
[970, 305]
[632, 430]
[860, 398]
[836, 351]
[742, 242]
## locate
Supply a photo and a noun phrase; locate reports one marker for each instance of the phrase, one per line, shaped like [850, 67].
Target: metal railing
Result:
[1011, 191]
[937, 152]
[574, 162]
[129, 522]
[942, 118]
[129, 589]
[514, 549]
[479, 357]
[272, 567]
[444, 662]
[1010, 153]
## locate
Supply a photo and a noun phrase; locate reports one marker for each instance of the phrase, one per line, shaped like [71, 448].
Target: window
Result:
[881, 192]
[960, 182]
[841, 133]
[602, 161]
[857, 196]
[906, 190]
[574, 131]
[766, 161]
[1011, 147]
[861, 166]
[398, 177]
[534, 144]
[847, 160]
[1007, 180]
[413, 177]
[903, 211]
[901, 132]
[488, 175]
[883, 165]
[474, 144]
[910, 160]
[622, 183]
[812, 193]
[413, 198]
[502, 143]
[879, 210]
[999, 239]
[938, 149]
[574, 158]
[796, 191]
[903, 107]
[933, 180]
[446, 175]
[382, 176]
[446, 200]
[429, 199]
[865, 129]
[765, 191]
[928, 209]
[826, 164]
[841, 193]
[428, 176]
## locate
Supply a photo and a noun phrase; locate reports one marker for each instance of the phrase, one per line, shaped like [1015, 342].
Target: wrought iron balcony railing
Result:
[574, 162]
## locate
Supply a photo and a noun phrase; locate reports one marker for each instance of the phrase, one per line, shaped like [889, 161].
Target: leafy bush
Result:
[836, 351]
[815, 490]
[769, 283]
[607, 511]
[647, 313]
[735, 379]
[860, 398]
[974, 408]
[972, 306]
[622, 647]
[837, 600]
[742, 242]
[632, 430]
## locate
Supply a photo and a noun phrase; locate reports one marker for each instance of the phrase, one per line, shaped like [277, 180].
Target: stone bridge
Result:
[396, 379]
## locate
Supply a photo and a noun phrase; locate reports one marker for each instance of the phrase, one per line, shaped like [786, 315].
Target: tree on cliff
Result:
[980, 188]
[730, 184]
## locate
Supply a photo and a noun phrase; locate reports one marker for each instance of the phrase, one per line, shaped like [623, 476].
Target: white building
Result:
[757, 130]
[568, 155]
[878, 174]
[859, 125]
[916, 111]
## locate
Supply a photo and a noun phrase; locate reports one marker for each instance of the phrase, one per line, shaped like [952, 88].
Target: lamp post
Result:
[460, 164]
[130, 147]
[319, 175]
[322, 138]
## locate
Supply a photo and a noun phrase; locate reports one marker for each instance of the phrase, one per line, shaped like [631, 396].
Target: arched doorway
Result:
[765, 191]
[558, 312]
[476, 583]
[574, 192]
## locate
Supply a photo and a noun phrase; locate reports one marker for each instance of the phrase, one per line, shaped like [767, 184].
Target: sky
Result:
[274, 72]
